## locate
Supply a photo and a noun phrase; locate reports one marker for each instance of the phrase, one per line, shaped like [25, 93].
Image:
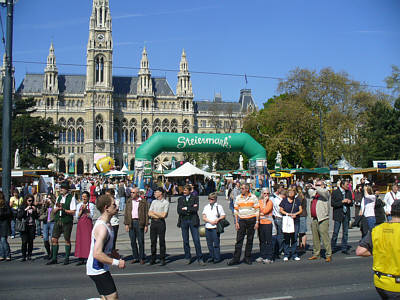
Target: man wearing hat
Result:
[64, 211]
[158, 212]
[383, 242]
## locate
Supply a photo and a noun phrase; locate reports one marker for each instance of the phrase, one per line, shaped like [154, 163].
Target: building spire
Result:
[184, 87]
[50, 82]
[145, 84]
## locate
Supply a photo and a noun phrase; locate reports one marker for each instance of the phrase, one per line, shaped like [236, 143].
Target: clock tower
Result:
[99, 89]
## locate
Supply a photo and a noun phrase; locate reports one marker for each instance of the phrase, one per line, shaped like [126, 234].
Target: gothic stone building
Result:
[114, 115]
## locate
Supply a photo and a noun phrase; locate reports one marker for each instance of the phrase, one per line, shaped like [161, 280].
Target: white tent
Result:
[115, 173]
[188, 170]
[124, 168]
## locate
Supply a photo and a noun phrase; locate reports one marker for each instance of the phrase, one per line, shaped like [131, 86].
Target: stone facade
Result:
[114, 115]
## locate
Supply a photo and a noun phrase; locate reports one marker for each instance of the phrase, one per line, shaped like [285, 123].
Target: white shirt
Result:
[72, 205]
[91, 206]
[115, 219]
[389, 199]
[212, 214]
[368, 206]
[276, 210]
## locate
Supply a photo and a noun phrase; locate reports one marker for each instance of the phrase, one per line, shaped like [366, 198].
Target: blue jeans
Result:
[290, 240]
[12, 227]
[47, 231]
[371, 221]
[345, 235]
[4, 247]
[212, 237]
[38, 227]
[185, 226]
[279, 235]
[121, 203]
[137, 233]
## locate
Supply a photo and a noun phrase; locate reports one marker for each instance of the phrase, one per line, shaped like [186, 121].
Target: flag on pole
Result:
[245, 78]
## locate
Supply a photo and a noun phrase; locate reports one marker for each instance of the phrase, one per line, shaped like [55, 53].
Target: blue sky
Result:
[260, 37]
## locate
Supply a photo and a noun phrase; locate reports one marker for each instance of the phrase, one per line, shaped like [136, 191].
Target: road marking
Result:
[352, 257]
[175, 271]
[277, 298]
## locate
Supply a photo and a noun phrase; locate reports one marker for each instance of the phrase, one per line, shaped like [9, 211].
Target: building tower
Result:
[50, 82]
[184, 94]
[99, 88]
[145, 84]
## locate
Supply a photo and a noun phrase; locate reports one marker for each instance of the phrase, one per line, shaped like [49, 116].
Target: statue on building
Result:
[240, 162]
[17, 160]
[278, 160]
[214, 165]
[194, 162]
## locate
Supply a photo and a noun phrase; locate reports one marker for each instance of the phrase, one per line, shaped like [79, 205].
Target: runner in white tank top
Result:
[101, 255]
[93, 266]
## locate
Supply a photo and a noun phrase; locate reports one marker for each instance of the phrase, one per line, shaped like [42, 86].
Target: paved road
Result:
[347, 277]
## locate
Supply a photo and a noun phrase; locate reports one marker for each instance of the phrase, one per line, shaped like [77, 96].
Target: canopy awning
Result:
[188, 170]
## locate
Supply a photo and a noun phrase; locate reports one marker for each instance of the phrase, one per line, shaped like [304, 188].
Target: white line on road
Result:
[277, 298]
[174, 271]
[352, 257]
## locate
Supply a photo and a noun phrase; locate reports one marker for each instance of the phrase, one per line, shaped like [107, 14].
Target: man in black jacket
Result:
[341, 203]
[188, 206]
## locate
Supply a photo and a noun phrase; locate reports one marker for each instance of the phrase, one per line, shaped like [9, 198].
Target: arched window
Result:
[80, 135]
[71, 135]
[99, 128]
[116, 131]
[174, 125]
[124, 138]
[145, 130]
[132, 132]
[186, 125]
[165, 125]
[132, 135]
[157, 125]
[99, 69]
[63, 132]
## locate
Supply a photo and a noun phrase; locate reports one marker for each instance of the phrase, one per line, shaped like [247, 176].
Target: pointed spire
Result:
[145, 85]
[183, 67]
[50, 83]
[184, 87]
[51, 60]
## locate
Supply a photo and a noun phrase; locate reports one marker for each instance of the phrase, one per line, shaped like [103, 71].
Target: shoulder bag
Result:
[222, 223]
[288, 222]
[20, 225]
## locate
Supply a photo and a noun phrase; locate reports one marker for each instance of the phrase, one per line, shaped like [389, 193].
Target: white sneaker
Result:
[259, 260]
[285, 259]
[267, 261]
[296, 258]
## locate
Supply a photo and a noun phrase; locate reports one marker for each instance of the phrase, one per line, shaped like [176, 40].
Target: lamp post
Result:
[7, 98]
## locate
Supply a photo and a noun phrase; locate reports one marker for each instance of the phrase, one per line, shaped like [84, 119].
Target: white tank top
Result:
[93, 266]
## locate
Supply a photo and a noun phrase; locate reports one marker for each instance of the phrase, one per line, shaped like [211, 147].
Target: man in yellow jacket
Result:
[383, 242]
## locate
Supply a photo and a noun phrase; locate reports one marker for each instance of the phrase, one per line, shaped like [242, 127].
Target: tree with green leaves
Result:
[34, 136]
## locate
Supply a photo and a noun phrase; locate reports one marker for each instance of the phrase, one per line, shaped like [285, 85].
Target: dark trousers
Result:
[290, 240]
[137, 234]
[115, 230]
[187, 225]
[27, 238]
[213, 244]
[246, 227]
[157, 230]
[336, 228]
[265, 237]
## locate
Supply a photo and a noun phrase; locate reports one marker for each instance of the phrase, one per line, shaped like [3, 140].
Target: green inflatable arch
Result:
[193, 142]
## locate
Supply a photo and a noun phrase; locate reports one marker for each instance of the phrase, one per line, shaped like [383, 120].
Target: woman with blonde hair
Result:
[5, 220]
